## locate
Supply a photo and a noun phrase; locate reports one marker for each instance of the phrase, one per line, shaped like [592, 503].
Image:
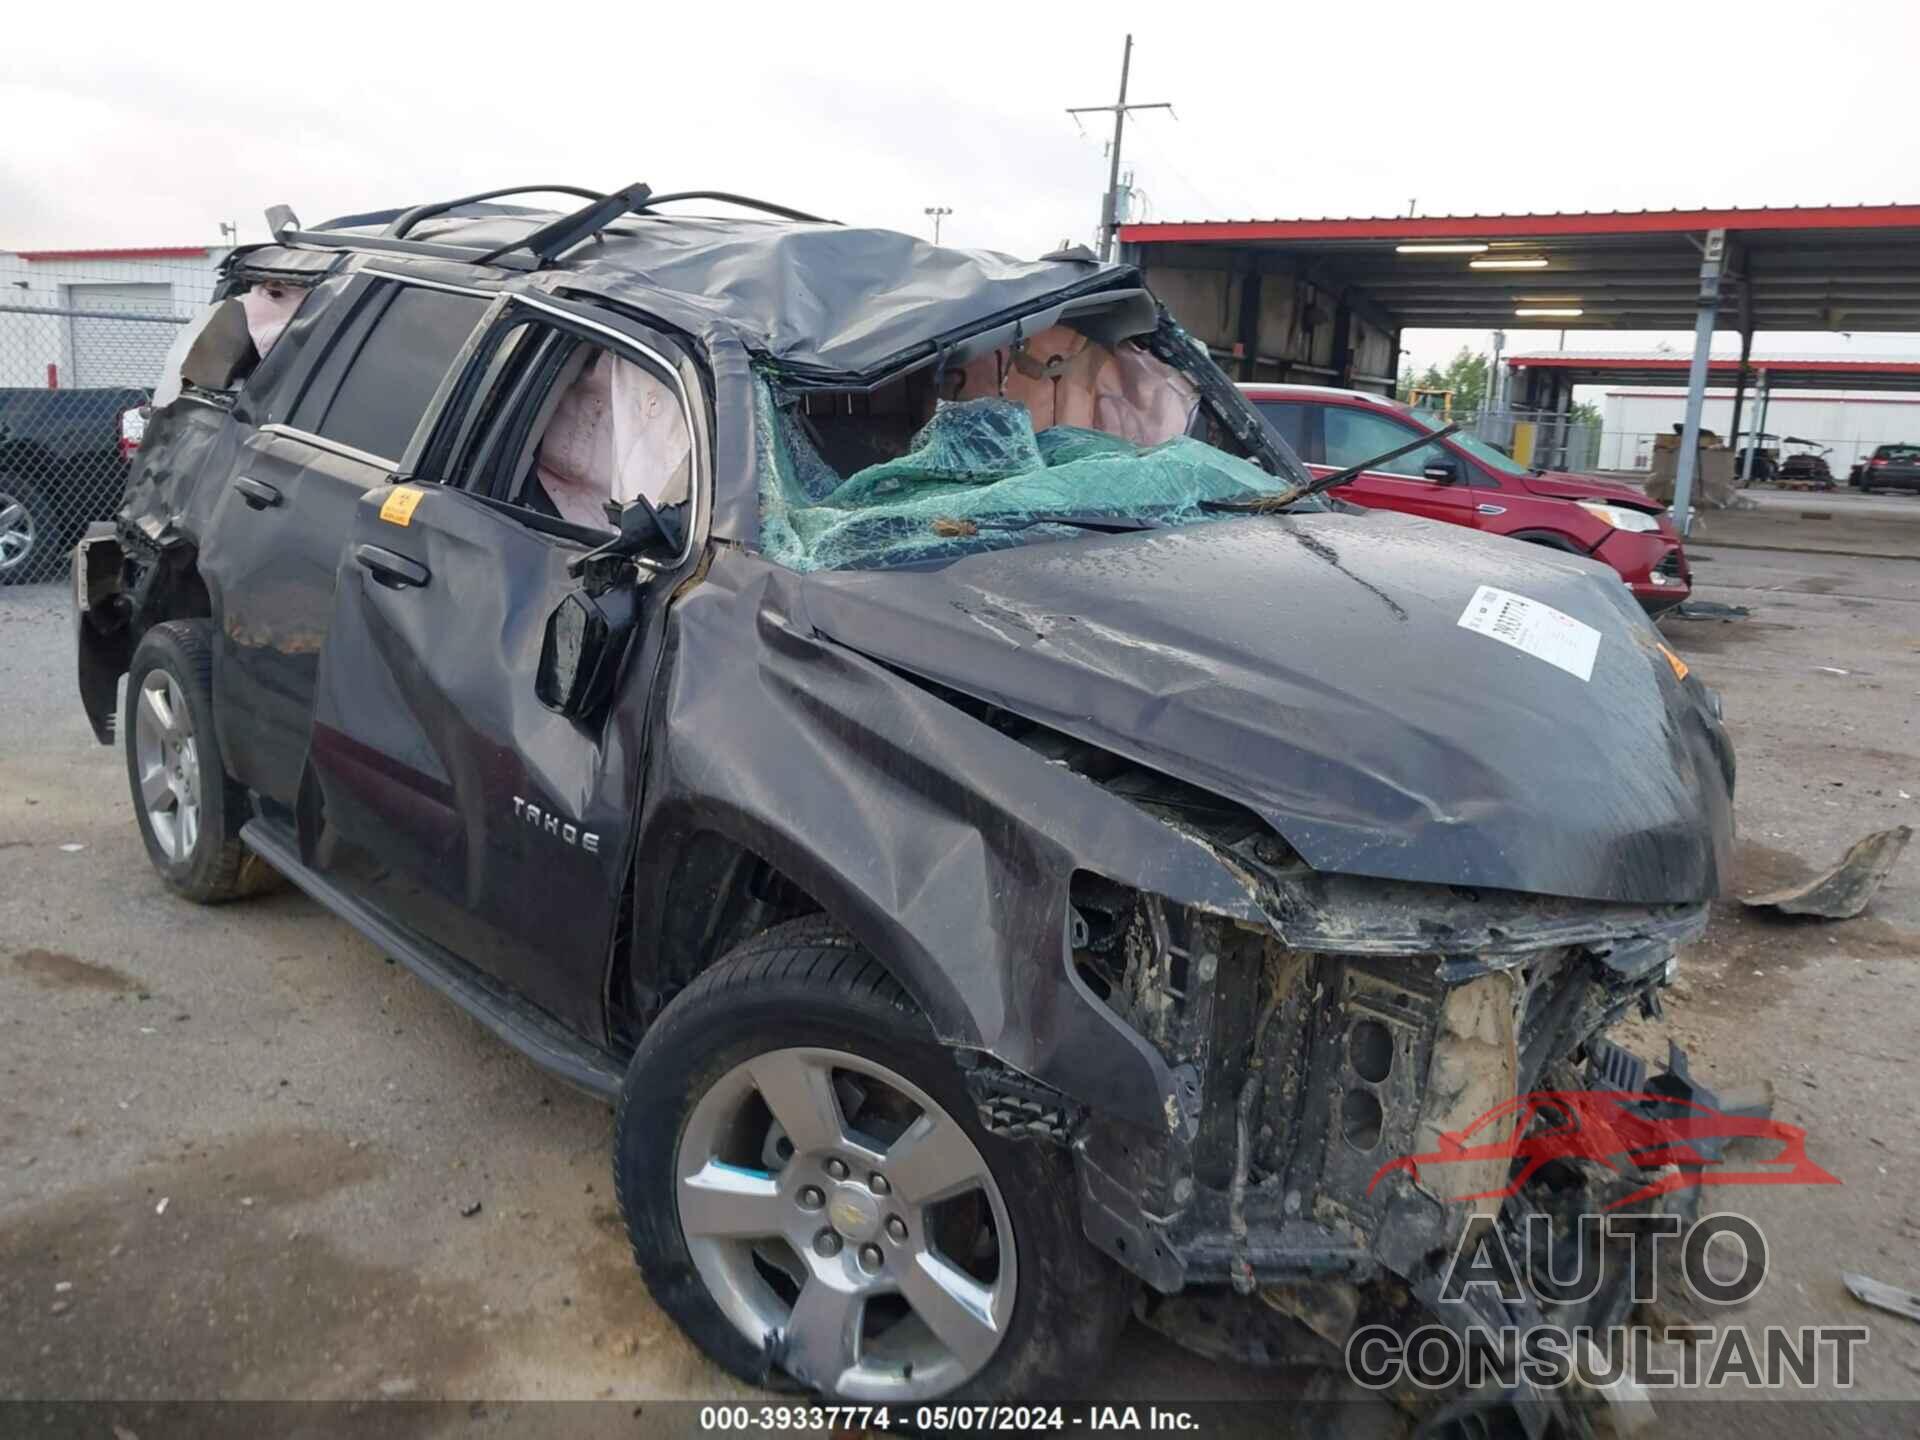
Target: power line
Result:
[1109, 206]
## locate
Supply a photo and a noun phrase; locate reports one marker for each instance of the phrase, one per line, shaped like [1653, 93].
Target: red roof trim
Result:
[1786, 398]
[143, 252]
[1718, 362]
[1481, 227]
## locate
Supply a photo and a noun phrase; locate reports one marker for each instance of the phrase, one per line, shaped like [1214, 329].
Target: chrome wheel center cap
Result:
[855, 1214]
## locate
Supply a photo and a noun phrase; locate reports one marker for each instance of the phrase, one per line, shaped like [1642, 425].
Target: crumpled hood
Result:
[1313, 668]
[1584, 487]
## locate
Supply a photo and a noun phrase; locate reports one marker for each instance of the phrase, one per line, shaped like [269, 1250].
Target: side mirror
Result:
[642, 529]
[1443, 472]
[585, 642]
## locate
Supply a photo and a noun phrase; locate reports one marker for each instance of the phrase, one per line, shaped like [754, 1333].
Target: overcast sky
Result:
[131, 128]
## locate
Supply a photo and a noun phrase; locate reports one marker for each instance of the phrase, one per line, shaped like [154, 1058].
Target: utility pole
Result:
[1109, 207]
[938, 212]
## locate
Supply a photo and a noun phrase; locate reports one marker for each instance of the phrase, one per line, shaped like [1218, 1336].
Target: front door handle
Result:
[394, 571]
[1491, 509]
[257, 493]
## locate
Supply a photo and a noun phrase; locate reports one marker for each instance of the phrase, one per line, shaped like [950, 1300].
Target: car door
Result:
[443, 792]
[331, 424]
[1350, 434]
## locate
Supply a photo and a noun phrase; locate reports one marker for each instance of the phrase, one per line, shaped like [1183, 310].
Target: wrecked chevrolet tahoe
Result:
[899, 724]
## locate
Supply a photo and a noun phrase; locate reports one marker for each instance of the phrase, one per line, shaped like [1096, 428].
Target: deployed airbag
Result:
[1063, 378]
[617, 433]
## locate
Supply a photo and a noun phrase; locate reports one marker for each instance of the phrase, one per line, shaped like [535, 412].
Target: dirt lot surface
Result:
[238, 1147]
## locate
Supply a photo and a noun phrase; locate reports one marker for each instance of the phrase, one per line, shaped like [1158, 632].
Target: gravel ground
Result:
[244, 1141]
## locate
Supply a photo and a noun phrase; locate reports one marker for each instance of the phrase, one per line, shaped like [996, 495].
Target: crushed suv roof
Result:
[820, 296]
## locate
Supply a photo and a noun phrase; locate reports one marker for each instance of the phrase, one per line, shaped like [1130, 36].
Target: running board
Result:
[522, 1025]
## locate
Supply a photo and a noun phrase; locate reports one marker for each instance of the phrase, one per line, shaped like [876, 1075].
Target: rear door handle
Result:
[395, 571]
[257, 493]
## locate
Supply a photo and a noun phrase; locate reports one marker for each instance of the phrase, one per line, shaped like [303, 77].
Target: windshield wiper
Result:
[1325, 482]
[1105, 524]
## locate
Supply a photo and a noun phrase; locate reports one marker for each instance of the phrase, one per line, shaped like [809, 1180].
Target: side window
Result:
[1290, 421]
[1354, 435]
[552, 423]
[391, 370]
[268, 393]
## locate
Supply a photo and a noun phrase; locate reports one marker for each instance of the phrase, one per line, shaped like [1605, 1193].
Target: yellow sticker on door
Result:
[401, 502]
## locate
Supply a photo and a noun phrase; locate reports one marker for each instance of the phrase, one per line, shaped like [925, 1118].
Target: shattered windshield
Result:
[978, 476]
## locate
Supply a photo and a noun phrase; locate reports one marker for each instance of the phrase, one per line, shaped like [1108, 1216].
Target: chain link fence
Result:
[1543, 439]
[81, 344]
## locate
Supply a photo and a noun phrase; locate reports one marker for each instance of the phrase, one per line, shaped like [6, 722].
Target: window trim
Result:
[612, 338]
[332, 447]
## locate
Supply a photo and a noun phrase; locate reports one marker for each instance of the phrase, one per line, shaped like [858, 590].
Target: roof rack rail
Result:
[403, 224]
[542, 246]
[556, 237]
[284, 226]
[746, 201]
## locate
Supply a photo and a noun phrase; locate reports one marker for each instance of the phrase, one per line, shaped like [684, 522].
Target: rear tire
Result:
[188, 810]
[801, 1012]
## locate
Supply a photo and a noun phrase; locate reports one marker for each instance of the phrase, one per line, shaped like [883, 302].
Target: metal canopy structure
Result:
[1840, 267]
[1814, 268]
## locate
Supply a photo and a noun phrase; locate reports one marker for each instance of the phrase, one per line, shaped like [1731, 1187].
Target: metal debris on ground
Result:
[467, 1212]
[1890, 1298]
[1708, 610]
[1842, 892]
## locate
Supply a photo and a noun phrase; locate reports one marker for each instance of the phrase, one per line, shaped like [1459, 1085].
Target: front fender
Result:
[946, 848]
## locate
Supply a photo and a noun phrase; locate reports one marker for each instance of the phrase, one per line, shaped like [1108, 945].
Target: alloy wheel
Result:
[16, 533]
[832, 1205]
[168, 759]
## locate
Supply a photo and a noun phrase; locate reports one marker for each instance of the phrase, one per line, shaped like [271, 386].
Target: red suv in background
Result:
[1465, 481]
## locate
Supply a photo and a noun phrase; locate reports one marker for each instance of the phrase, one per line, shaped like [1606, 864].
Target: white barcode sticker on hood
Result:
[1542, 631]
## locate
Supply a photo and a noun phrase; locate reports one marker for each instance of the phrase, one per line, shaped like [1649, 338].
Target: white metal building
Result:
[1852, 423]
[83, 318]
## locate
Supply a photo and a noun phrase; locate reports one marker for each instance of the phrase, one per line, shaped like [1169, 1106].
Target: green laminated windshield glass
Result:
[978, 477]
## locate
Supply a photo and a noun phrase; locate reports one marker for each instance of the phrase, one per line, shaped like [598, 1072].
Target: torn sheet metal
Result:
[1842, 892]
[1310, 668]
[1882, 1296]
[815, 297]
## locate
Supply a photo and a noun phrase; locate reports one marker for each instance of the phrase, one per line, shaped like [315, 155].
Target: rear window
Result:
[1898, 454]
[392, 379]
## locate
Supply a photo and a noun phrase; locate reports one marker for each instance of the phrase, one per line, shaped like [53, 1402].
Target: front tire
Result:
[188, 810]
[811, 1196]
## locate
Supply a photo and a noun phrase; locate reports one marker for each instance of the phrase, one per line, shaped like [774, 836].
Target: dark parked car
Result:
[1465, 481]
[898, 723]
[62, 466]
[1890, 467]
